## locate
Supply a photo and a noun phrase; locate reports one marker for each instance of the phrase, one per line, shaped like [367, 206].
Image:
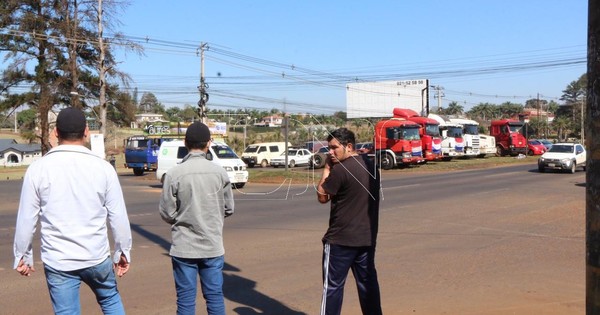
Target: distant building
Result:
[534, 113]
[144, 119]
[269, 121]
[15, 154]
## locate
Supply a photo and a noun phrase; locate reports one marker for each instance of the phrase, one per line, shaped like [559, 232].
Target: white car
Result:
[563, 156]
[296, 157]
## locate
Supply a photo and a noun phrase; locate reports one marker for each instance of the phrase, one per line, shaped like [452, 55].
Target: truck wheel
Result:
[138, 171]
[264, 163]
[318, 161]
[530, 152]
[292, 163]
[239, 185]
[499, 151]
[573, 167]
[387, 161]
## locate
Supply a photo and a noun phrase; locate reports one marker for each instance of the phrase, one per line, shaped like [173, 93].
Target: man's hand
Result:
[23, 269]
[122, 266]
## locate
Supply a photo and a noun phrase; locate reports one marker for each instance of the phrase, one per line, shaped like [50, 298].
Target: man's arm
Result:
[168, 201]
[322, 195]
[27, 219]
[118, 220]
[228, 198]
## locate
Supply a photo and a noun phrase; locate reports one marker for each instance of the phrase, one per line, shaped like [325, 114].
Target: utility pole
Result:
[439, 94]
[285, 137]
[539, 115]
[203, 86]
[592, 200]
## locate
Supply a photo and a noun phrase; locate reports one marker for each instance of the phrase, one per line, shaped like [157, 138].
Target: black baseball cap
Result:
[197, 132]
[70, 120]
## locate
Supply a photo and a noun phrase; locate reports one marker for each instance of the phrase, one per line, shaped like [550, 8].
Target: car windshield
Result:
[251, 149]
[290, 152]
[534, 142]
[224, 152]
[561, 148]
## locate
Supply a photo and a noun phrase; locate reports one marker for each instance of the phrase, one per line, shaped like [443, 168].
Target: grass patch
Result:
[468, 164]
[296, 175]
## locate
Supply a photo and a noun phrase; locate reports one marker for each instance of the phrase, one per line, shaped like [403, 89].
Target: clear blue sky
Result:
[302, 53]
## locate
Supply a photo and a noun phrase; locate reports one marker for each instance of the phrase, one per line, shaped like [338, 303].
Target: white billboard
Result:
[378, 99]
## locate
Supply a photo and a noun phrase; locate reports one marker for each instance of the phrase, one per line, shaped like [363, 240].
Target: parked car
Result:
[535, 147]
[547, 143]
[364, 147]
[563, 156]
[296, 157]
[319, 158]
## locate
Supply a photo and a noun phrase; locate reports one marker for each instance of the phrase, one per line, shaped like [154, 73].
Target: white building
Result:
[269, 121]
[15, 154]
[144, 119]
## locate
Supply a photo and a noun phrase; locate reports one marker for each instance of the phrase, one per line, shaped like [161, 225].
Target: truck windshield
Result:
[403, 133]
[410, 134]
[224, 152]
[471, 129]
[137, 143]
[454, 132]
[515, 128]
[432, 130]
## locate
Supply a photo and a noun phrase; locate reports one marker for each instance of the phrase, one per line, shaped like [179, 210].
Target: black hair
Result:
[343, 135]
[196, 145]
[70, 136]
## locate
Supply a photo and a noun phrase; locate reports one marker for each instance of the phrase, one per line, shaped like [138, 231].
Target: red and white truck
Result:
[429, 131]
[453, 144]
[397, 143]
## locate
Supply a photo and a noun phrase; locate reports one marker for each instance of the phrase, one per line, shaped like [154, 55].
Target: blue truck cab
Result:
[141, 153]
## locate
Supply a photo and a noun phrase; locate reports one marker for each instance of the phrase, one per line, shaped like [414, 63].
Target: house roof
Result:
[6, 144]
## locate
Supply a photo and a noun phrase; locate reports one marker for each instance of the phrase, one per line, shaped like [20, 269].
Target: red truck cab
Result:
[429, 131]
[509, 137]
[397, 142]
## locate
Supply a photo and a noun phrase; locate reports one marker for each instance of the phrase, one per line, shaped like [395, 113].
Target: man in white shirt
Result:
[73, 193]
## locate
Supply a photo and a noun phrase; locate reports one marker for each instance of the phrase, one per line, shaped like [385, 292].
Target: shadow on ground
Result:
[235, 287]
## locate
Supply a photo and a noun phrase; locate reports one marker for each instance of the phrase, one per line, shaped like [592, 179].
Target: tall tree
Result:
[454, 109]
[50, 45]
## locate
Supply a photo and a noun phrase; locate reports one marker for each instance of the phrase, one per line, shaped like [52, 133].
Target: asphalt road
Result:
[504, 240]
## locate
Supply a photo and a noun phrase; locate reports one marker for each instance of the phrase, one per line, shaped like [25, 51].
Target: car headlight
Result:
[406, 155]
[566, 161]
[228, 168]
[244, 168]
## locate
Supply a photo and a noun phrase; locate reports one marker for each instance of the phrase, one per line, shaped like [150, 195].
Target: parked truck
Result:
[487, 145]
[452, 138]
[509, 137]
[470, 136]
[141, 153]
[429, 131]
[397, 143]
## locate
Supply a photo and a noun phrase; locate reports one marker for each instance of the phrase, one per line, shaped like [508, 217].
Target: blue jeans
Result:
[186, 272]
[64, 288]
